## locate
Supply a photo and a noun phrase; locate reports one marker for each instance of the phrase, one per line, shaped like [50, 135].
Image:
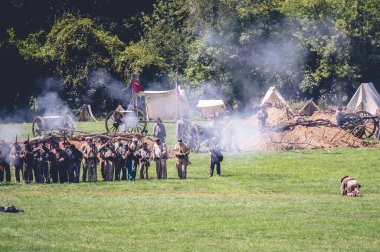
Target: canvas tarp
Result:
[167, 105]
[211, 107]
[366, 98]
[275, 98]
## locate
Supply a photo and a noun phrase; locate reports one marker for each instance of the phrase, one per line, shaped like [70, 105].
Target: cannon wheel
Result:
[38, 127]
[114, 122]
[355, 124]
[369, 122]
[68, 126]
[191, 137]
[141, 125]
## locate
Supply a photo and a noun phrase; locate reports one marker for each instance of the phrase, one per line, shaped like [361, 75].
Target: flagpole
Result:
[176, 99]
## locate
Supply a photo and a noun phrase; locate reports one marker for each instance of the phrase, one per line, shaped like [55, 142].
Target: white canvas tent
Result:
[210, 108]
[309, 108]
[275, 98]
[366, 98]
[167, 105]
[86, 114]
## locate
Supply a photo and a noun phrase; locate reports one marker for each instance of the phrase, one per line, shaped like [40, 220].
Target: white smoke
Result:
[115, 89]
[54, 111]
[9, 131]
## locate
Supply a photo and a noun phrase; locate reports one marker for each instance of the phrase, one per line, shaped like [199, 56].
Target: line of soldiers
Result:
[118, 160]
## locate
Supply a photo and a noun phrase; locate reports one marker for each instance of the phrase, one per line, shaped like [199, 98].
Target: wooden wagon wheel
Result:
[38, 127]
[355, 124]
[114, 122]
[369, 122]
[140, 125]
[191, 137]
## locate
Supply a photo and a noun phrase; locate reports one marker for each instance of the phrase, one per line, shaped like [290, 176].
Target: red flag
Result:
[136, 86]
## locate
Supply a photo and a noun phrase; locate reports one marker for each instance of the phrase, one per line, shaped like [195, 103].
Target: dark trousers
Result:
[7, 170]
[28, 172]
[84, 175]
[74, 168]
[118, 167]
[54, 173]
[212, 167]
[102, 171]
[18, 170]
[123, 169]
[37, 172]
[132, 167]
[44, 169]
[62, 173]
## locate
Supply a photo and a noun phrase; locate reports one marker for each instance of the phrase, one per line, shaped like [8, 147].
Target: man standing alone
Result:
[216, 157]
[159, 130]
[182, 152]
[262, 115]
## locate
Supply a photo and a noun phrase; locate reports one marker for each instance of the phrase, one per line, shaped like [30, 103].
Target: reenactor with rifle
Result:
[17, 160]
[133, 159]
[107, 152]
[144, 155]
[81, 149]
[120, 160]
[160, 155]
[58, 167]
[103, 142]
[27, 158]
[44, 162]
[90, 152]
[181, 152]
[75, 158]
[5, 163]
[36, 162]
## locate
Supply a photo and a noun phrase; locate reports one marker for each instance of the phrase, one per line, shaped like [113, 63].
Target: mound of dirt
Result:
[310, 135]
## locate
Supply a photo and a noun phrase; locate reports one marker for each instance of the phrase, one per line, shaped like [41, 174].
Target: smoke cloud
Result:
[101, 80]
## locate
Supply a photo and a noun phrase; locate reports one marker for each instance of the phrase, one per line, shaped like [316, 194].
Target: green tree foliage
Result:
[307, 48]
[72, 49]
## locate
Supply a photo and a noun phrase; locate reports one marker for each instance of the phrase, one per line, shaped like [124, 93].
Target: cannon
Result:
[63, 125]
[132, 120]
[370, 123]
[196, 136]
[361, 124]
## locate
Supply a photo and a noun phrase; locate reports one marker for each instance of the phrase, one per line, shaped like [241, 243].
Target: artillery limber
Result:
[63, 125]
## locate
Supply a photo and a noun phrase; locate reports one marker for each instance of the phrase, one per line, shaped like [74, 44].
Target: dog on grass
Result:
[350, 187]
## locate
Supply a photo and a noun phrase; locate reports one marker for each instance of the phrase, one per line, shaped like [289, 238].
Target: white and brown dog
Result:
[350, 187]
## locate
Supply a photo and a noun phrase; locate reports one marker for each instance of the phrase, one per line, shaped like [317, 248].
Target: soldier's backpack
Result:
[220, 157]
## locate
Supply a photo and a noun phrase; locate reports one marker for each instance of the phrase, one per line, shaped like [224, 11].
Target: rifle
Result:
[64, 139]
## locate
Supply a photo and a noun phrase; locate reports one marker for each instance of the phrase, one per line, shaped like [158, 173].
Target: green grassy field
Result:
[264, 201]
[279, 201]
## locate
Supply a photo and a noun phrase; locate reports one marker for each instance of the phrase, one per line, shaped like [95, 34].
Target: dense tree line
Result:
[235, 49]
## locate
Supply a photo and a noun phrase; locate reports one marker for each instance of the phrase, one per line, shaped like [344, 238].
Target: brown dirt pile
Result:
[303, 137]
